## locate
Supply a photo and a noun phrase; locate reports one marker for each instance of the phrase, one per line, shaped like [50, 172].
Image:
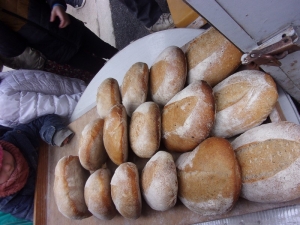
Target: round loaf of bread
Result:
[97, 195]
[92, 154]
[188, 117]
[243, 100]
[159, 181]
[209, 177]
[125, 190]
[134, 87]
[269, 156]
[69, 181]
[108, 95]
[167, 75]
[145, 130]
[211, 57]
[115, 134]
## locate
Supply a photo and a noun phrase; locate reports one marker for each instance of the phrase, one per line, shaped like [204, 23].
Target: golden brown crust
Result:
[92, 154]
[115, 134]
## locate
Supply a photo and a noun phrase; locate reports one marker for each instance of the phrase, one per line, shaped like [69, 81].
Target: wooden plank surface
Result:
[49, 214]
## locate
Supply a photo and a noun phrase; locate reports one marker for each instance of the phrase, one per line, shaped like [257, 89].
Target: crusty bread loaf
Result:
[97, 195]
[209, 177]
[125, 190]
[92, 154]
[108, 95]
[188, 117]
[159, 181]
[145, 130]
[269, 156]
[243, 100]
[69, 181]
[115, 134]
[167, 75]
[134, 87]
[211, 57]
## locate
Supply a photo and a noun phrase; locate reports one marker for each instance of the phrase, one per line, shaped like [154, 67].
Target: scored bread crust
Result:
[68, 188]
[269, 156]
[97, 195]
[209, 177]
[243, 100]
[167, 75]
[211, 57]
[145, 130]
[188, 117]
[108, 95]
[92, 154]
[125, 190]
[134, 87]
[115, 134]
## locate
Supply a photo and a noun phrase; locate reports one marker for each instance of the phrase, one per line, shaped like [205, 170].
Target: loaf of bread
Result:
[108, 95]
[167, 75]
[97, 195]
[209, 177]
[92, 154]
[145, 130]
[159, 181]
[269, 156]
[211, 57]
[69, 181]
[243, 100]
[125, 190]
[134, 87]
[188, 117]
[115, 134]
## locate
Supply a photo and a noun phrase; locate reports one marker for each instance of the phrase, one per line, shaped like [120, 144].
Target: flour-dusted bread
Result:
[92, 154]
[159, 181]
[134, 87]
[211, 57]
[167, 75]
[145, 130]
[97, 195]
[108, 95]
[243, 100]
[188, 117]
[69, 181]
[209, 177]
[115, 134]
[125, 190]
[269, 156]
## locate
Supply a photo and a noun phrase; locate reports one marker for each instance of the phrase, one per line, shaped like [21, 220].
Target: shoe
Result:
[164, 22]
[77, 4]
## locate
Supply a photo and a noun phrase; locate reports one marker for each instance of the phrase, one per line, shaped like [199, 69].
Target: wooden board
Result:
[46, 211]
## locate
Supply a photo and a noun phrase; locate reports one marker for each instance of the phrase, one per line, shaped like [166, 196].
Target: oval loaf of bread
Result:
[269, 156]
[134, 87]
[243, 100]
[108, 95]
[92, 154]
[211, 57]
[145, 130]
[97, 195]
[69, 181]
[125, 190]
[188, 117]
[159, 181]
[167, 75]
[115, 134]
[209, 177]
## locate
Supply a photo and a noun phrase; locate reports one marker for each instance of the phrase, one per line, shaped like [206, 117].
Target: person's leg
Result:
[146, 11]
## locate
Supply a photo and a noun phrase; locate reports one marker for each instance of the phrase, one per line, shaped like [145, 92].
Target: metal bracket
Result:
[273, 50]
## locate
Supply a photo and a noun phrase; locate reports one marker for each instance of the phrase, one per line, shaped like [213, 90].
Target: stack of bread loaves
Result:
[186, 103]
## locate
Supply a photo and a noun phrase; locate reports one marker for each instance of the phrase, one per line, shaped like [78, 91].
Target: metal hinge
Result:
[271, 51]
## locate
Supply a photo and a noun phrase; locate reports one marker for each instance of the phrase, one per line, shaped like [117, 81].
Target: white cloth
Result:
[28, 94]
